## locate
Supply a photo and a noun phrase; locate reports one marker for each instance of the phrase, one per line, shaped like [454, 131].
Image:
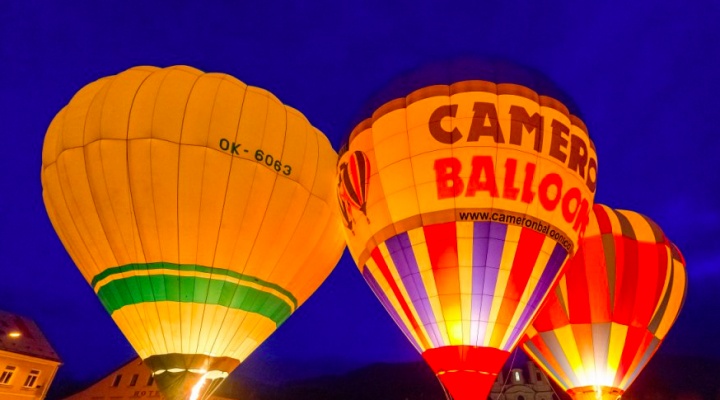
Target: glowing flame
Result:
[195, 392]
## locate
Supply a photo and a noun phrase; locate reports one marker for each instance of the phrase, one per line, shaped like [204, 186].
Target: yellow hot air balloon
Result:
[611, 310]
[461, 204]
[201, 210]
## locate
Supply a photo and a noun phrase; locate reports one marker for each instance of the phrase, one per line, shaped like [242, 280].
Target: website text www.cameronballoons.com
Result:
[509, 219]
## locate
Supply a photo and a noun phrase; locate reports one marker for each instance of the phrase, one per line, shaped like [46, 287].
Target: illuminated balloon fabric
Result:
[201, 210]
[619, 296]
[476, 194]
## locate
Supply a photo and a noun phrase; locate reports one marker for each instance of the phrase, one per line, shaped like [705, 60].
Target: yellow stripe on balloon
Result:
[382, 247]
[667, 284]
[613, 217]
[640, 225]
[540, 263]
[239, 345]
[248, 330]
[562, 285]
[677, 297]
[417, 239]
[195, 274]
[132, 322]
[385, 287]
[465, 262]
[618, 333]
[512, 237]
[566, 339]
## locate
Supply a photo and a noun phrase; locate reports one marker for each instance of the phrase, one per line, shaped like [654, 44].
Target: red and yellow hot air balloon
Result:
[353, 183]
[620, 295]
[474, 196]
[201, 210]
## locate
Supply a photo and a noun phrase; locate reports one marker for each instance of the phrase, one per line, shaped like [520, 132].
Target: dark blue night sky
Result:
[645, 76]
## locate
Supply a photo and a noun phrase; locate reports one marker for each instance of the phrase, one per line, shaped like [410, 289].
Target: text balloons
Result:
[620, 295]
[476, 193]
[201, 210]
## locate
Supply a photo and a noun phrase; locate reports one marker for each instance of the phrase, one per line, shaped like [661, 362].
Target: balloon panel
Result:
[201, 210]
[613, 307]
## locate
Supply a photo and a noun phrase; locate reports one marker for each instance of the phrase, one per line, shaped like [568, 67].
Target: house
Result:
[27, 361]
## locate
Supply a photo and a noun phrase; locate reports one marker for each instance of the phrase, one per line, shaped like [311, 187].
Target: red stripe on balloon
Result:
[552, 315]
[527, 252]
[578, 289]
[632, 343]
[383, 267]
[603, 219]
[598, 285]
[442, 249]
[645, 343]
[626, 294]
[647, 296]
[663, 261]
[355, 179]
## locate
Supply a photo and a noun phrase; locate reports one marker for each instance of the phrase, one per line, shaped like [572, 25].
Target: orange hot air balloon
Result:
[476, 194]
[611, 310]
[200, 209]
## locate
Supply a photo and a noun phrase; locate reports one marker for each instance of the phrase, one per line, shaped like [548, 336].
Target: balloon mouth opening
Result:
[179, 384]
[595, 392]
[189, 376]
[211, 376]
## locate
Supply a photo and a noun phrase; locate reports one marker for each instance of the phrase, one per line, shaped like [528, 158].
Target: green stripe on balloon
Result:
[188, 289]
[190, 267]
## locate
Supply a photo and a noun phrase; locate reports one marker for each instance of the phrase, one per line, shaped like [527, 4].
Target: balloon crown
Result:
[460, 69]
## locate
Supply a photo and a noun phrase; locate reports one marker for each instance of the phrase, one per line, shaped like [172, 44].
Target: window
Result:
[538, 375]
[31, 379]
[133, 380]
[116, 381]
[7, 375]
[521, 397]
[151, 380]
[517, 376]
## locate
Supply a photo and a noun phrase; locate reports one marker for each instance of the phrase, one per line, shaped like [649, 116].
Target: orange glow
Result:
[595, 393]
[195, 393]
[14, 334]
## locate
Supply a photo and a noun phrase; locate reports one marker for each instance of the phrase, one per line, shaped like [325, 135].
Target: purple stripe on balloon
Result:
[488, 244]
[479, 258]
[554, 263]
[498, 230]
[403, 257]
[482, 329]
[481, 230]
[380, 294]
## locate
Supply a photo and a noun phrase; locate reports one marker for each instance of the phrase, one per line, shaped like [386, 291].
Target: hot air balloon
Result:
[476, 194]
[354, 181]
[620, 295]
[200, 210]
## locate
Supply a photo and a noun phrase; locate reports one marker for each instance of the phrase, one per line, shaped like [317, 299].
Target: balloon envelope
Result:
[620, 295]
[201, 210]
[476, 193]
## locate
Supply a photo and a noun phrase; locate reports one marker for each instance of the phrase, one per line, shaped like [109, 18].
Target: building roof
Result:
[20, 335]
[130, 381]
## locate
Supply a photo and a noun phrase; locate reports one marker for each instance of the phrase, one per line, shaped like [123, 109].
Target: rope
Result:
[512, 364]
